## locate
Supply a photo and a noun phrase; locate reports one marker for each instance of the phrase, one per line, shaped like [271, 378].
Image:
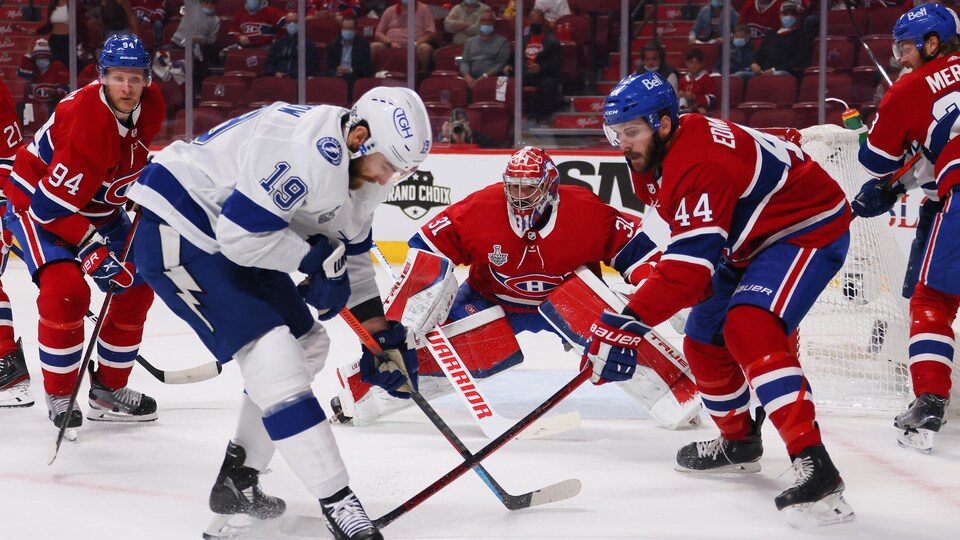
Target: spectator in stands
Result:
[761, 16]
[257, 24]
[485, 55]
[708, 28]
[89, 73]
[337, 9]
[283, 56]
[552, 9]
[655, 59]
[541, 68]
[786, 50]
[463, 21]
[116, 17]
[206, 24]
[57, 29]
[392, 31]
[49, 78]
[741, 54]
[697, 88]
[152, 12]
[457, 130]
[348, 56]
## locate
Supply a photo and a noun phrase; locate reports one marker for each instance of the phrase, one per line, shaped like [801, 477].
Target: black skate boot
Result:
[816, 497]
[57, 407]
[346, 518]
[920, 421]
[339, 417]
[15, 380]
[237, 489]
[723, 456]
[121, 405]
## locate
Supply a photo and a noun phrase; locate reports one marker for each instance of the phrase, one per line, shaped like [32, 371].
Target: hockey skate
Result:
[816, 497]
[237, 494]
[346, 519]
[57, 412]
[916, 425]
[121, 405]
[723, 456]
[15, 380]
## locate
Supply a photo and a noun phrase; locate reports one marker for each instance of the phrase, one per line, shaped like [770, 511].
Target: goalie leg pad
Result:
[422, 297]
[484, 341]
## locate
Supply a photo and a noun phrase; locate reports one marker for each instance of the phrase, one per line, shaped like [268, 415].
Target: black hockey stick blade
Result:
[485, 452]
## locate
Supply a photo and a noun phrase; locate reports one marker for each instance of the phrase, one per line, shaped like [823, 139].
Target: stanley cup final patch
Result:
[497, 258]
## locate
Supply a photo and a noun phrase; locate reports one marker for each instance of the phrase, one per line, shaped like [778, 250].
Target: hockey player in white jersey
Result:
[226, 218]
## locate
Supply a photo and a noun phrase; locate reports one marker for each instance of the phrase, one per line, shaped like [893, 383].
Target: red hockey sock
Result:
[932, 340]
[121, 334]
[757, 340]
[722, 388]
[63, 301]
[7, 342]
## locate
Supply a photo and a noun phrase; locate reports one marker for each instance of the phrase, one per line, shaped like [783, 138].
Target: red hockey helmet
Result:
[531, 184]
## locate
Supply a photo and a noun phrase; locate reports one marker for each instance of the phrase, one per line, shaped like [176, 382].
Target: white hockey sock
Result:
[315, 457]
[252, 436]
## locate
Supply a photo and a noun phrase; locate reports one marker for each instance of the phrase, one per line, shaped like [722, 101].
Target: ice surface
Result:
[152, 481]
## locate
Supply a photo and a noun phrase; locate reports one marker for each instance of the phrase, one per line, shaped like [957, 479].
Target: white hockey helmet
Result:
[399, 127]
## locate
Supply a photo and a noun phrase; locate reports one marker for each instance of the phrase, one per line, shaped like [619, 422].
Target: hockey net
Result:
[853, 343]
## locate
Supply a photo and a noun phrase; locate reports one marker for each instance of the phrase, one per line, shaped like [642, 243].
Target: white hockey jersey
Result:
[255, 187]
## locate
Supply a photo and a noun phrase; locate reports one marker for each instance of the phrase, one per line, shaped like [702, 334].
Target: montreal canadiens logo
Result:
[331, 150]
[116, 194]
[530, 285]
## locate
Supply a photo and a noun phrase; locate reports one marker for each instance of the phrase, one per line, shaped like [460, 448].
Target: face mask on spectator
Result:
[739, 41]
[252, 6]
[470, 2]
[486, 29]
[292, 28]
[788, 21]
[207, 11]
[347, 35]
[43, 63]
[535, 28]
[716, 3]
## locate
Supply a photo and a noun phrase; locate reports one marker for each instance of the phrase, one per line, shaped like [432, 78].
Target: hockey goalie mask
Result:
[532, 185]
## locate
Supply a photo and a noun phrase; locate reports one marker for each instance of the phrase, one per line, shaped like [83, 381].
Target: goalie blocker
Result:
[662, 383]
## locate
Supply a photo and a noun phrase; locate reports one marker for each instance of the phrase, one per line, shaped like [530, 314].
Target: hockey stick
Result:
[88, 354]
[554, 492]
[200, 373]
[482, 411]
[853, 23]
[496, 444]
[898, 174]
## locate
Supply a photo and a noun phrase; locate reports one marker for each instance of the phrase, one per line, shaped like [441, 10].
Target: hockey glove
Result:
[98, 262]
[876, 198]
[613, 347]
[392, 369]
[327, 287]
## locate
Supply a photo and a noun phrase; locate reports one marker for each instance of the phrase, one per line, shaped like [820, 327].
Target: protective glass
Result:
[627, 132]
[903, 48]
[113, 78]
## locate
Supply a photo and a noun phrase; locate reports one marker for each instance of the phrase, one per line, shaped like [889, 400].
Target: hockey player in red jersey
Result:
[67, 193]
[757, 230]
[535, 233]
[921, 108]
[14, 377]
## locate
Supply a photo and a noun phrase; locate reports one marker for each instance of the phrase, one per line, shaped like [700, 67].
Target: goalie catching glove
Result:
[327, 286]
[98, 262]
[613, 347]
[876, 198]
[393, 368]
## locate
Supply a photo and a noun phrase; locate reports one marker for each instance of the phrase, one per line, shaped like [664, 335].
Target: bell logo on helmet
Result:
[402, 123]
[652, 82]
[922, 12]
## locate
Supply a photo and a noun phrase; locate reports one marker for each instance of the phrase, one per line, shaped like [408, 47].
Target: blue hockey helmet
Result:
[639, 96]
[123, 51]
[918, 23]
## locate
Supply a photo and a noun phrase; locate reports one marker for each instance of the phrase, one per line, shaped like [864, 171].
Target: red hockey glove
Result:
[98, 262]
[613, 347]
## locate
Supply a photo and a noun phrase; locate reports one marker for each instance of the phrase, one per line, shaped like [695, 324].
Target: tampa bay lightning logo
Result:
[331, 150]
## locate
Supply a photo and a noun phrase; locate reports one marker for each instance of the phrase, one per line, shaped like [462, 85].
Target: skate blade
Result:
[16, 396]
[110, 416]
[920, 440]
[740, 468]
[831, 510]
[228, 526]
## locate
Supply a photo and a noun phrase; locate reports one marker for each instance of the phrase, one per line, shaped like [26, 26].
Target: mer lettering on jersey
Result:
[945, 77]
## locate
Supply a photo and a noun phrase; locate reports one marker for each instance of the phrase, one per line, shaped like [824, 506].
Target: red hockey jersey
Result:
[702, 86]
[519, 272]
[47, 87]
[730, 191]
[261, 28]
[923, 106]
[760, 19]
[76, 171]
[11, 137]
